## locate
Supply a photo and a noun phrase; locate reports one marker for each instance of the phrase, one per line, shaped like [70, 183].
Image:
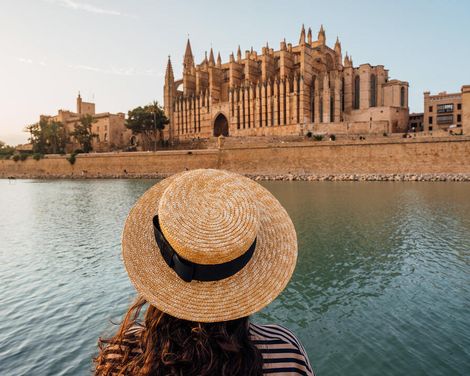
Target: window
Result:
[459, 118]
[321, 109]
[342, 94]
[443, 108]
[402, 97]
[312, 101]
[357, 88]
[373, 91]
[430, 128]
[332, 109]
[445, 119]
[430, 119]
[430, 108]
[459, 106]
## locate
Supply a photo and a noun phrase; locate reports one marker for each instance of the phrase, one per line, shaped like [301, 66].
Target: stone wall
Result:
[449, 155]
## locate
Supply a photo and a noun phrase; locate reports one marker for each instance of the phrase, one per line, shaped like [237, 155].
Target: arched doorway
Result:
[220, 126]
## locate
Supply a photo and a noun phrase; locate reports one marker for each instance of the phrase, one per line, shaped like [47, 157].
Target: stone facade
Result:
[307, 87]
[110, 128]
[442, 111]
[448, 155]
[415, 122]
[466, 109]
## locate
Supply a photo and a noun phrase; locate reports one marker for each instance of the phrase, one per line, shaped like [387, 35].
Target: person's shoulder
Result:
[281, 350]
[274, 332]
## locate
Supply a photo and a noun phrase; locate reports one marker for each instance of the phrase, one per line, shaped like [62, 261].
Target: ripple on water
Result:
[382, 284]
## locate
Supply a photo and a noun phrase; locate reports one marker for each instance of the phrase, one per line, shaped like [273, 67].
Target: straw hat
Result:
[209, 246]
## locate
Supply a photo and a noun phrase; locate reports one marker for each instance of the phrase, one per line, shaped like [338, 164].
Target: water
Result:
[382, 285]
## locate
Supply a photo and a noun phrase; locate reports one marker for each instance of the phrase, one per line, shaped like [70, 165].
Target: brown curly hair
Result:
[170, 346]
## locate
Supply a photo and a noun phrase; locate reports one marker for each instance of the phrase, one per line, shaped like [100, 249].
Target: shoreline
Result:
[430, 177]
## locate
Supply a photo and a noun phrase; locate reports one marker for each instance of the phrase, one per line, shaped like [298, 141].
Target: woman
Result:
[205, 249]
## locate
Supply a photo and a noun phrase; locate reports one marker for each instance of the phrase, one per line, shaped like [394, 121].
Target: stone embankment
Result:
[282, 177]
[365, 177]
[446, 159]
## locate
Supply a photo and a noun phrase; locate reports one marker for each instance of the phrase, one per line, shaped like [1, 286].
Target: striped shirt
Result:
[282, 352]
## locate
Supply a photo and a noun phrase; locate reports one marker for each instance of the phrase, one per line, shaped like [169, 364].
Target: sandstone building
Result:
[306, 87]
[442, 111]
[415, 122]
[110, 128]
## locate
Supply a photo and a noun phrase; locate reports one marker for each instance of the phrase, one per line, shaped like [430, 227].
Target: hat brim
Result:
[244, 293]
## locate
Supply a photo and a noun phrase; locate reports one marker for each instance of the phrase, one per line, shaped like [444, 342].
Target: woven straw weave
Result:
[210, 217]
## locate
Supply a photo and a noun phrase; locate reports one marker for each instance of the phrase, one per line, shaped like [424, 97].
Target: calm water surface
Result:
[382, 286]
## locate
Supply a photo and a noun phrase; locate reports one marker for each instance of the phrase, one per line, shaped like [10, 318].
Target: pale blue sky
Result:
[116, 51]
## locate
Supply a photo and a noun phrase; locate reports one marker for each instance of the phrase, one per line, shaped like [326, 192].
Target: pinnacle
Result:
[211, 57]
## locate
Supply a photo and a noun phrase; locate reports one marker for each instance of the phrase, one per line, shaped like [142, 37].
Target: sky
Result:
[115, 51]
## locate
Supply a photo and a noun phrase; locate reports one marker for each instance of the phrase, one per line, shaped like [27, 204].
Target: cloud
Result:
[24, 60]
[116, 71]
[78, 5]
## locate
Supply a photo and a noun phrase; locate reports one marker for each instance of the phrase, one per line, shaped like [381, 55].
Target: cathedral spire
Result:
[347, 62]
[188, 60]
[211, 58]
[302, 35]
[338, 51]
[239, 54]
[338, 43]
[219, 60]
[309, 36]
[322, 36]
[169, 71]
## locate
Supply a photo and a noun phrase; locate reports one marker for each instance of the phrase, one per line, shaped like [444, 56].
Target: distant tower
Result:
[322, 36]
[169, 97]
[239, 55]
[339, 55]
[189, 73]
[211, 58]
[302, 35]
[79, 104]
[309, 36]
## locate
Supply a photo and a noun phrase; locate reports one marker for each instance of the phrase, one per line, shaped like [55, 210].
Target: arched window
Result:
[321, 109]
[402, 97]
[373, 90]
[357, 92]
[312, 101]
[332, 109]
[342, 94]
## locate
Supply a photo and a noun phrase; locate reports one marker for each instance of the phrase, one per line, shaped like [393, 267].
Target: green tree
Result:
[5, 150]
[47, 136]
[83, 133]
[148, 121]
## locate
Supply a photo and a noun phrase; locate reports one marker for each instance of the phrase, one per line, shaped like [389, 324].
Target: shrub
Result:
[37, 156]
[318, 137]
[309, 134]
[16, 157]
[73, 156]
[78, 151]
[23, 157]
